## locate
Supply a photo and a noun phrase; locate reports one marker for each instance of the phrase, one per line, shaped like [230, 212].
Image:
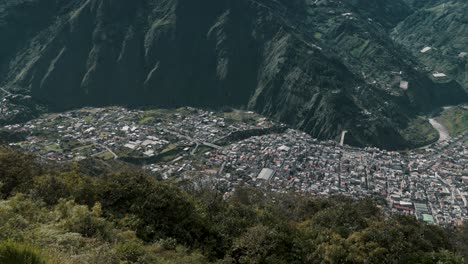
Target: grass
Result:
[124, 152]
[15, 253]
[202, 150]
[420, 132]
[85, 150]
[105, 155]
[170, 153]
[53, 147]
[240, 116]
[169, 156]
[169, 147]
[359, 50]
[318, 36]
[69, 144]
[185, 111]
[156, 112]
[146, 120]
[89, 119]
[455, 120]
[150, 115]
[50, 116]
[104, 134]
[84, 147]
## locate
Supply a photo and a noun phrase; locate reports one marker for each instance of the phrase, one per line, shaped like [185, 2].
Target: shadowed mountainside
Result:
[321, 66]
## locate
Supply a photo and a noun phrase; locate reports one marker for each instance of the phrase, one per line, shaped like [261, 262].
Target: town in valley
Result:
[234, 148]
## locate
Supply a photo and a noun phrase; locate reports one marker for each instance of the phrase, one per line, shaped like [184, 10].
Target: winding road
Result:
[444, 134]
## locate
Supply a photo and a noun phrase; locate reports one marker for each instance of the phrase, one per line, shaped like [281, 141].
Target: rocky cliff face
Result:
[322, 66]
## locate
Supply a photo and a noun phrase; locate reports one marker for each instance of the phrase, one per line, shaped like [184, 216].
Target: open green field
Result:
[105, 155]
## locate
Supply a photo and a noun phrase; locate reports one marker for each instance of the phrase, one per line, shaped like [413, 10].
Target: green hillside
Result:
[51, 215]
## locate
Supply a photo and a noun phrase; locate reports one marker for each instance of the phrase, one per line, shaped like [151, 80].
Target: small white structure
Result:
[284, 148]
[130, 146]
[148, 142]
[404, 85]
[405, 203]
[266, 174]
[462, 55]
[426, 49]
[439, 75]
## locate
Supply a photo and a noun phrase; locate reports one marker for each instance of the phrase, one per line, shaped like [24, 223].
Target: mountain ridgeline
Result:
[320, 66]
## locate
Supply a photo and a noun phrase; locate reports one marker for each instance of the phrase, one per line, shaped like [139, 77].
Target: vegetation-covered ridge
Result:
[52, 213]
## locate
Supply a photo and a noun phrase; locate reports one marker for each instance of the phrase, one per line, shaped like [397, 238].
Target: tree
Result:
[16, 171]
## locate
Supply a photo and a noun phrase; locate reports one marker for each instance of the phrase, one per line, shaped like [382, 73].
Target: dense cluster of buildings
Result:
[430, 183]
[118, 132]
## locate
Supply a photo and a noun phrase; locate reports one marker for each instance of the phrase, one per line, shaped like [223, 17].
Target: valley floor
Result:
[237, 148]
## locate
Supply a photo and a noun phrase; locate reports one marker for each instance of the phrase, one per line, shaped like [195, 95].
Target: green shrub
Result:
[50, 189]
[79, 219]
[16, 171]
[162, 209]
[15, 253]
[130, 251]
[168, 244]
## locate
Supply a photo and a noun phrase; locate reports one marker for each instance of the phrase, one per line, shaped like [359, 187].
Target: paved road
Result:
[5, 91]
[221, 169]
[194, 149]
[444, 134]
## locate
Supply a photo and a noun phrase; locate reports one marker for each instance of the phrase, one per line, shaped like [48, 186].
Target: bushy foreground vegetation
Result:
[124, 216]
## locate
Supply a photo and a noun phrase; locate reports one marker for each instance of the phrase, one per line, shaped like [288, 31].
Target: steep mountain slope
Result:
[442, 26]
[322, 66]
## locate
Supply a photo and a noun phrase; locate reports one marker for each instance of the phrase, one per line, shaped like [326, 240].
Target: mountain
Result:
[442, 26]
[320, 66]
